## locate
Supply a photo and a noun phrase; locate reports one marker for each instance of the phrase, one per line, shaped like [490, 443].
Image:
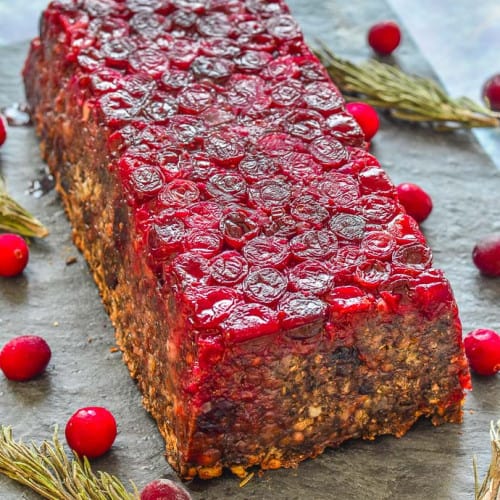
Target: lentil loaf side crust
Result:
[273, 400]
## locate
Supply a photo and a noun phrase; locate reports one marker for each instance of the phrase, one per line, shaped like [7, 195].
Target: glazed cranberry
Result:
[486, 255]
[265, 285]
[24, 357]
[14, 254]
[384, 37]
[91, 431]
[3, 131]
[329, 152]
[228, 268]
[164, 489]
[366, 116]
[490, 93]
[416, 201]
[482, 347]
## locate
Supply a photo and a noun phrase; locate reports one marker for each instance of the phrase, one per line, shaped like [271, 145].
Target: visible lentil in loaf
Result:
[269, 293]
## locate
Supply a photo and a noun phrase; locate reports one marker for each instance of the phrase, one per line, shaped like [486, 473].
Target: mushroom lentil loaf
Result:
[269, 293]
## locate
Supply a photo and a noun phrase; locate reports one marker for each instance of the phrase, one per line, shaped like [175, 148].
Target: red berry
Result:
[486, 255]
[416, 201]
[366, 116]
[164, 489]
[24, 357]
[91, 431]
[482, 347]
[3, 131]
[491, 92]
[384, 37]
[14, 254]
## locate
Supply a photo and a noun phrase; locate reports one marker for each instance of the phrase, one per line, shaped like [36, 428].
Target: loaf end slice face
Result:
[269, 293]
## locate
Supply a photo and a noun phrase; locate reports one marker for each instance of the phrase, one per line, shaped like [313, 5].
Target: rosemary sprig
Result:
[406, 97]
[15, 218]
[48, 471]
[489, 489]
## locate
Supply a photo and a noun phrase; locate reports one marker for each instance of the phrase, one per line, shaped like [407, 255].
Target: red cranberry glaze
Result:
[253, 193]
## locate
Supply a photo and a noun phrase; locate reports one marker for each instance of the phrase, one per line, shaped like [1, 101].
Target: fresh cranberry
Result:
[490, 92]
[384, 37]
[416, 201]
[482, 347]
[366, 116]
[164, 489]
[91, 431]
[24, 357]
[14, 254]
[3, 131]
[486, 255]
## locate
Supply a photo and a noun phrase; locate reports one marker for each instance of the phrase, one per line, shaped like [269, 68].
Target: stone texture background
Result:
[61, 303]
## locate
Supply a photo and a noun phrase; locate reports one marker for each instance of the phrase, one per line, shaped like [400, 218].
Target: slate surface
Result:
[61, 303]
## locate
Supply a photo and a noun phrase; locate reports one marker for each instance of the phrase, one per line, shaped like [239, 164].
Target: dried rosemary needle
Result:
[48, 471]
[14, 218]
[489, 489]
[404, 96]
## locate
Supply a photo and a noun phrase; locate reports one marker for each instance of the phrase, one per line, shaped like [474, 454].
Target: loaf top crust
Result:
[250, 185]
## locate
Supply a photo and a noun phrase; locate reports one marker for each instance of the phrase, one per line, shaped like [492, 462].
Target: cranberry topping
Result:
[284, 27]
[329, 152]
[296, 310]
[267, 251]
[281, 68]
[372, 273]
[146, 181]
[204, 215]
[226, 147]
[252, 61]
[265, 285]
[323, 97]
[308, 209]
[166, 236]
[300, 167]
[309, 277]
[212, 304]
[239, 226]
[190, 268]
[348, 300]
[214, 25]
[413, 256]
[195, 98]
[378, 209]
[287, 93]
[255, 167]
[207, 243]
[229, 186]
[179, 193]
[216, 68]
[248, 321]
[305, 124]
[246, 94]
[378, 245]
[340, 190]
[314, 244]
[270, 193]
[348, 226]
[228, 268]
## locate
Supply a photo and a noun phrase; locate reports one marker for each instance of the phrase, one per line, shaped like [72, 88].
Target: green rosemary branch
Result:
[406, 97]
[13, 217]
[489, 489]
[48, 471]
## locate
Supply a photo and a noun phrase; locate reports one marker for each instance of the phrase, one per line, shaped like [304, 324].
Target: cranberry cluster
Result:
[248, 179]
